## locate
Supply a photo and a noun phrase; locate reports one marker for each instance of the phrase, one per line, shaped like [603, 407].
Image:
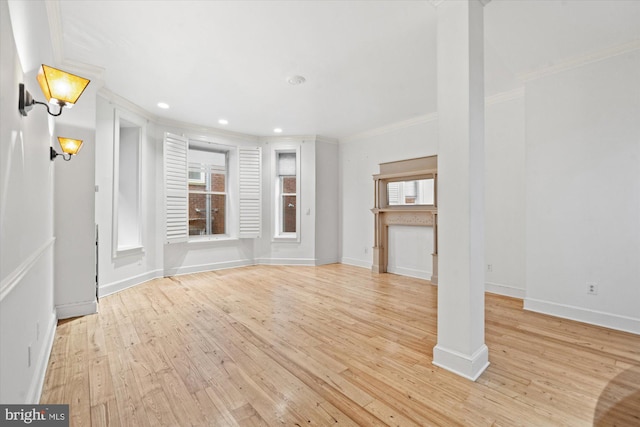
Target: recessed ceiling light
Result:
[163, 105]
[223, 121]
[296, 80]
[277, 130]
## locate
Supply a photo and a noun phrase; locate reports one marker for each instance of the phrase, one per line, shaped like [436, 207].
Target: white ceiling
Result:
[367, 63]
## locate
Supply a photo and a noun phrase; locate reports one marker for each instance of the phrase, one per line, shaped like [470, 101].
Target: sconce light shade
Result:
[69, 146]
[59, 87]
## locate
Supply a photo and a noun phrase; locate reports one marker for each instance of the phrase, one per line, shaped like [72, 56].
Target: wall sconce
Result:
[59, 87]
[69, 146]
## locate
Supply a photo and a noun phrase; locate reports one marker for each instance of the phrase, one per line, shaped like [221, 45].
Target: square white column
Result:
[461, 348]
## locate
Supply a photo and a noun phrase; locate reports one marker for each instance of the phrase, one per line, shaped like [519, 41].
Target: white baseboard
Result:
[506, 290]
[42, 361]
[113, 287]
[356, 262]
[403, 271]
[470, 367]
[608, 320]
[286, 261]
[76, 309]
[177, 271]
[325, 261]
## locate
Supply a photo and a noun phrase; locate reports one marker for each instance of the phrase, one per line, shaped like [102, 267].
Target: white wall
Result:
[74, 224]
[327, 210]
[136, 267]
[27, 316]
[359, 159]
[505, 197]
[583, 192]
[302, 252]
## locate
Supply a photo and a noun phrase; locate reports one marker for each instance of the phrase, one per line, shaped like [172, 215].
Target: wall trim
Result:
[37, 380]
[410, 272]
[356, 262]
[579, 61]
[12, 280]
[113, 287]
[391, 127]
[509, 95]
[467, 366]
[593, 317]
[75, 309]
[325, 261]
[286, 261]
[506, 290]
[177, 271]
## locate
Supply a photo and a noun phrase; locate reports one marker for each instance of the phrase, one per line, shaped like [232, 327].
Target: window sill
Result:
[128, 251]
[284, 238]
[208, 239]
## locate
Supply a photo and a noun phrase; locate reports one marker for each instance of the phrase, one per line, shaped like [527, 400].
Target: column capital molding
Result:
[437, 3]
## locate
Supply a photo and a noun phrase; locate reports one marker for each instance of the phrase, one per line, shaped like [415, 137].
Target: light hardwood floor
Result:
[324, 346]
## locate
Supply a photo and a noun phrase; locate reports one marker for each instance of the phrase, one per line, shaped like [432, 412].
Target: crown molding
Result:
[191, 128]
[504, 96]
[425, 118]
[326, 139]
[57, 43]
[437, 3]
[579, 61]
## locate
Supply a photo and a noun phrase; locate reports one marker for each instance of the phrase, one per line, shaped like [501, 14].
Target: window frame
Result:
[206, 146]
[278, 200]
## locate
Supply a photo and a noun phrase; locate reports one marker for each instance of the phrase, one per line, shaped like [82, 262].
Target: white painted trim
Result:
[469, 367]
[327, 140]
[177, 271]
[392, 127]
[356, 262]
[13, 278]
[76, 309]
[506, 290]
[593, 317]
[286, 261]
[113, 287]
[504, 96]
[325, 261]
[37, 380]
[579, 61]
[427, 118]
[410, 272]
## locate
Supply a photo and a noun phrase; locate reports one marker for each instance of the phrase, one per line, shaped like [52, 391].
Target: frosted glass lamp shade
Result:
[69, 145]
[59, 87]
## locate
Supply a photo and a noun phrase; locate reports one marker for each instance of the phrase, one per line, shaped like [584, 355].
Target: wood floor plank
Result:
[331, 345]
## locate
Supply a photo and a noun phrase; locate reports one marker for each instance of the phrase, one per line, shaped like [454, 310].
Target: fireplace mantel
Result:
[413, 215]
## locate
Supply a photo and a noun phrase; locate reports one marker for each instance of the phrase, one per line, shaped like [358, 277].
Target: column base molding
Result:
[467, 366]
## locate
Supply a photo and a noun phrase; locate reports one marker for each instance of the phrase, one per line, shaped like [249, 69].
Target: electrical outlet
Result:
[489, 268]
[366, 250]
[37, 331]
[29, 356]
[592, 288]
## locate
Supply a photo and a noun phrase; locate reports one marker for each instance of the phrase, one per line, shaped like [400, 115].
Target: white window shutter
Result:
[176, 188]
[250, 161]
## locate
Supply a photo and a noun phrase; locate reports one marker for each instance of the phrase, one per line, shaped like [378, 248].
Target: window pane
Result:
[289, 185]
[218, 213]
[416, 192]
[217, 182]
[286, 164]
[197, 214]
[288, 214]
